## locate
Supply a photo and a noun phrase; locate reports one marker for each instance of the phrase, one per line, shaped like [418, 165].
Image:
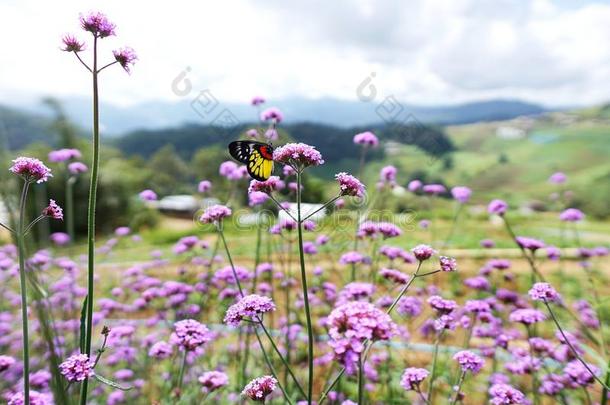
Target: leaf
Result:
[83, 325]
[106, 381]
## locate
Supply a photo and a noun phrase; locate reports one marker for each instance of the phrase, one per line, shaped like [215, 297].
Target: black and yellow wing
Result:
[257, 156]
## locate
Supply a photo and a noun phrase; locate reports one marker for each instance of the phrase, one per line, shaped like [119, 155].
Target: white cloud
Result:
[425, 52]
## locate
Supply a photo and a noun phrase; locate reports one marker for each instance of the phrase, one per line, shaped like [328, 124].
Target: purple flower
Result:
[126, 57]
[257, 198]
[366, 138]
[572, 215]
[553, 252]
[122, 231]
[160, 350]
[552, 384]
[31, 169]
[411, 306]
[36, 398]
[577, 375]
[469, 361]
[448, 263]
[257, 100]
[394, 276]
[63, 155]
[442, 305]
[260, 388]
[6, 362]
[543, 292]
[190, 334]
[148, 195]
[477, 283]
[268, 186]
[487, 243]
[558, 178]
[351, 258]
[298, 155]
[272, 113]
[497, 207]
[204, 185]
[77, 168]
[414, 185]
[388, 174]
[272, 134]
[412, 377]
[529, 243]
[77, 368]
[60, 238]
[250, 306]
[434, 189]
[504, 394]
[227, 168]
[72, 44]
[349, 185]
[97, 24]
[356, 291]
[461, 194]
[423, 252]
[527, 316]
[388, 230]
[213, 380]
[215, 213]
[53, 211]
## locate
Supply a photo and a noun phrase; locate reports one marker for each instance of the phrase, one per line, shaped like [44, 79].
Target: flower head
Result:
[126, 57]
[53, 211]
[250, 306]
[469, 361]
[257, 198]
[213, 380]
[148, 195]
[268, 186]
[31, 169]
[412, 377]
[204, 185]
[98, 24]
[215, 213]
[414, 185]
[272, 113]
[504, 394]
[527, 316]
[62, 155]
[160, 350]
[257, 100]
[461, 194]
[77, 368]
[298, 154]
[543, 292]
[497, 207]
[36, 398]
[434, 189]
[572, 215]
[77, 168]
[6, 362]
[190, 334]
[388, 174]
[366, 138]
[529, 243]
[260, 388]
[72, 44]
[423, 252]
[448, 263]
[349, 185]
[558, 178]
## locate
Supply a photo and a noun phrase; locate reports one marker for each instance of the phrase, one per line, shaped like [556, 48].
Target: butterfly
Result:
[258, 157]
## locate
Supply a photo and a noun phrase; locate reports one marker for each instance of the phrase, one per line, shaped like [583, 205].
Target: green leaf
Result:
[83, 324]
[111, 383]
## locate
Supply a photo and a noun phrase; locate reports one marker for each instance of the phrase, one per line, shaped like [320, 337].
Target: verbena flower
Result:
[189, 334]
[97, 24]
[148, 195]
[394, 276]
[204, 186]
[260, 388]
[366, 138]
[31, 169]
[527, 316]
[434, 189]
[423, 252]
[448, 263]
[572, 215]
[257, 100]
[250, 306]
[272, 113]
[461, 194]
[442, 305]
[53, 211]
[160, 350]
[126, 57]
[36, 398]
[213, 380]
[77, 368]
[388, 230]
[529, 243]
[298, 155]
[558, 178]
[414, 185]
[72, 44]
[504, 394]
[6, 362]
[469, 361]
[273, 183]
[543, 292]
[351, 258]
[63, 155]
[497, 207]
[576, 374]
[349, 185]
[77, 168]
[412, 377]
[215, 213]
[411, 306]
[387, 174]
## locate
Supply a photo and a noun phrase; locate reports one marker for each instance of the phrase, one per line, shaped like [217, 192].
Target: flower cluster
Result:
[53, 211]
[213, 380]
[260, 388]
[31, 169]
[250, 306]
[189, 334]
[298, 155]
[349, 185]
[215, 213]
[77, 368]
[469, 361]
[366, 138]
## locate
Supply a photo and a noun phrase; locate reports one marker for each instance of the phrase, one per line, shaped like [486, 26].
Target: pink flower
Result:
[213, 380]
[77, 168]
[412, 377]
[461, 194]
[572, 215]
[388, 174]
[62, 155]
[126, 57]
[469, 361]
[190, 334]
[160, 350]
[423, 252]
[272, 113]
[497, 207]
[77, 368]
[31, 169]
[53, 211]
[414, 185]
[148, 195]
[215, 213]
[204, 186]
[434, 189]
[349, 185]
[273, 183]
[97, 24]
[298, 154]
[72, 44]
[260, 388]
[558, 178]
[257, 100]
[543, 292]
[250, 306]
[366, 138]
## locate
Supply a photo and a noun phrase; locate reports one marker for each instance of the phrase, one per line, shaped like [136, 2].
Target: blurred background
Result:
[494, 95]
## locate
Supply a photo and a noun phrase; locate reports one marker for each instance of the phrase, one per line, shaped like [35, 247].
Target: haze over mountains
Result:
[118, 120]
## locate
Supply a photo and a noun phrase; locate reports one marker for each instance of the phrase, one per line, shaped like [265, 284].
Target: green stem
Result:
[459, 387]
[91, 218]
[224, 242]
[181, 374]
[271, 368]
[434, 360]
[24, 299]
[305, 294]
[360, 380]
[70, 207]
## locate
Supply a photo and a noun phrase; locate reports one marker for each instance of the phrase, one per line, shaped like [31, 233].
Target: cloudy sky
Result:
[424, 52]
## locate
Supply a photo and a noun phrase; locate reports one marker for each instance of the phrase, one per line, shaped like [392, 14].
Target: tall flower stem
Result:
[24, 297]
[437, 341]
[305, 293]
[181, 373]
[70, 207]
[91, 217]
[458, 388]
[360, 380]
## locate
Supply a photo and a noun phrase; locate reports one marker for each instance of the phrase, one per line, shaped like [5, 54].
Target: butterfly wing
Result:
[257, 156]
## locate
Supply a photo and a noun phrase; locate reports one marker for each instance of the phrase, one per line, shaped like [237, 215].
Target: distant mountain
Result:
[19, 128]
[116, 120]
